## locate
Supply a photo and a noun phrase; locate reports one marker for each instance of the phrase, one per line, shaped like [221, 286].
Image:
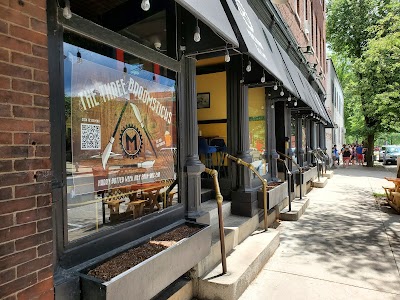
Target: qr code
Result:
[90, 137]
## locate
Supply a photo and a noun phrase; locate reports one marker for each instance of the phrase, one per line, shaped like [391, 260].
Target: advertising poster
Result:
[122, 128]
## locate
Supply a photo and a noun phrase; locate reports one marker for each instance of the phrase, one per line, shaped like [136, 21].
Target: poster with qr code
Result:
[90, 137]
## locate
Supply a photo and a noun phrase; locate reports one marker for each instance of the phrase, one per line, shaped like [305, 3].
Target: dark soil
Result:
[271, 185]
[135, 256]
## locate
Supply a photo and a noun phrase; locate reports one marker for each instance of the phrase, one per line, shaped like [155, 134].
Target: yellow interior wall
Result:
[215, 84]
[256, 109]
[256, 102]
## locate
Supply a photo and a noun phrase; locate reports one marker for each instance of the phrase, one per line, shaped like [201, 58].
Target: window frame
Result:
[66, 252]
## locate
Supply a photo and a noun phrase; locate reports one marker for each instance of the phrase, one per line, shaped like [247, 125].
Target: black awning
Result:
[307, 94]
[254, 41]
[211, 13]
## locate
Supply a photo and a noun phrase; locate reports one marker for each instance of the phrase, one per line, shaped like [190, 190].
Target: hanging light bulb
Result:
[289, 98]
[295, 103]
[272, 105]
[263, 77]
[196, 35]
[282, 93]
[145, 5]
[312, 114]
[248, 67]
[227, 57]
[275, 87]
[79, 57]
[67, 10]
[125, 69]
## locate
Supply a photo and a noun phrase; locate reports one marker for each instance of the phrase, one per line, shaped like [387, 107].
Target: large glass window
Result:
[257, 128]
[293, 138]
[120, 137]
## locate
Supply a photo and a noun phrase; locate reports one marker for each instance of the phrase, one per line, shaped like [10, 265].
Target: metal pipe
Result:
[300, 172]
[263, 180]
[219, 198]
[289, 181]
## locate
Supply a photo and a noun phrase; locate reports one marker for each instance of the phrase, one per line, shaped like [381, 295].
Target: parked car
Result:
[391, 154]
[381, 152]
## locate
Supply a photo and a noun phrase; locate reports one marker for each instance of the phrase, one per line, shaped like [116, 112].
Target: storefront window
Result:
[120, 136]
[293, 139]
[304, 135]
[257, 129]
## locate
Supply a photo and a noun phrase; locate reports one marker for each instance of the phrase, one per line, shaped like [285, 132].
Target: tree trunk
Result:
[370, 150]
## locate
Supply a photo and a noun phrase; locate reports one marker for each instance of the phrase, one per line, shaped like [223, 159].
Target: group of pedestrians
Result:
[351, 154]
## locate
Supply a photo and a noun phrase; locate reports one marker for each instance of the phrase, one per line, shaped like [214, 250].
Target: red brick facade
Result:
[295, 16]
[25, 191]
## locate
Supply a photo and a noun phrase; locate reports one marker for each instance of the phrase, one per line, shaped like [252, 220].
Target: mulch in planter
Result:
[132, 257]
[273, 184]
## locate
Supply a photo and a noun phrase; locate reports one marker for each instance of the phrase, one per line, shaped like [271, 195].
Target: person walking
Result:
[335, 156]
[360, 156]
[346, 156]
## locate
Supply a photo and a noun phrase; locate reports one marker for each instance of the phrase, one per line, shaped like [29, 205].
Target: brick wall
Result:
[295, 21]
[25, 200]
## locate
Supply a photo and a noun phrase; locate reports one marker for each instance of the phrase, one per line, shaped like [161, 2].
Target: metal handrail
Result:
[289, 181]
[220, 199]
[263, 180]
[314, 153]
[301, 170]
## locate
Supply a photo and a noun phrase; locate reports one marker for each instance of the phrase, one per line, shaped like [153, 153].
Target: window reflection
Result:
[120, 137]
[257, 129]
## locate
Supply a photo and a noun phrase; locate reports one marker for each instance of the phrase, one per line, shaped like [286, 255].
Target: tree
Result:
[359, 31]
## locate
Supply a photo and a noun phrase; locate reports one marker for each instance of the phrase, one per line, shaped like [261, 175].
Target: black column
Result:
[271, 144]
[308, 141]
[280, 130]
[299, 141]
[244, 198]
[189, 138]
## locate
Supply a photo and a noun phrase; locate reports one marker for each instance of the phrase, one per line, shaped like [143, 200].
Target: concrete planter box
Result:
[275, 196]
[151, 276]
[307, 175]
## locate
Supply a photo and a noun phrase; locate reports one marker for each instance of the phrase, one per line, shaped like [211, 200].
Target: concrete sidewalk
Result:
[344, 247]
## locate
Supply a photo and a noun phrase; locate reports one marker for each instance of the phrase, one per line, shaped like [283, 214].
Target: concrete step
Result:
[328, 174]
[319, 183]
[211, 209]
[298, 209]
[243, 264]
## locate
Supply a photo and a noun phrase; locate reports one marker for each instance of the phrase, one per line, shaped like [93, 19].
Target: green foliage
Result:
[365, 38]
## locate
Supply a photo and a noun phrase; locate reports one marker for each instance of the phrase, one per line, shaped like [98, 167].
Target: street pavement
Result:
[345, 246]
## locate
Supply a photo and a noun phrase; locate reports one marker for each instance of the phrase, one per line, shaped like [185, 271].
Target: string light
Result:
[197, 36]
[272, 105]
[275, 87]
[282, 93]
[289, 98]
[145, 5]
[295, 103]
[227, 57]
[248, 67]
[263, 77]
[67, 10]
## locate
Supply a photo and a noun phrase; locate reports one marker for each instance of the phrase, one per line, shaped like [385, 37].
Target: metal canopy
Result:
[255, 42]
[211, 13]
[307, 94]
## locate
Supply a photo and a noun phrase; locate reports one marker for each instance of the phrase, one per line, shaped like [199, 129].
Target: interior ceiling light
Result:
[197, 36]
[67, 10]
[263, 77]
[145, 5]
[275, 87]
[248, 67]
[227, 57]
[282, 93]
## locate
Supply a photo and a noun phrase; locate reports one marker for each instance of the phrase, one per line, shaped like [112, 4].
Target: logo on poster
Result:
[131, 141]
